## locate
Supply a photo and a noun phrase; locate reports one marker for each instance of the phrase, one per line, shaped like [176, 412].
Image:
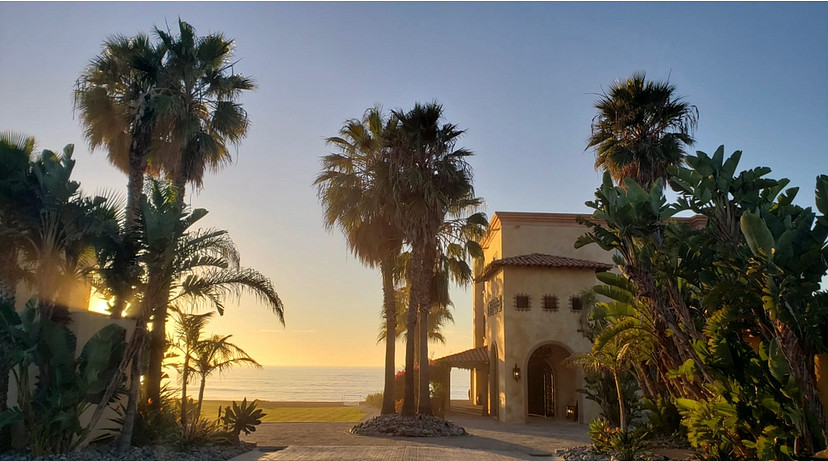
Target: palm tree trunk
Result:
[125, 442]
[417, 364]
[386, 267]
[424, 402]
[159, 323]
[185, 376]
[423, 292]
[158, 341]
[180, 183]
[141, 135]
[415, 275]
[200, 395]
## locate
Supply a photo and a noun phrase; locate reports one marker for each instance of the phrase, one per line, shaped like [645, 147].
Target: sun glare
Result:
[97, 303]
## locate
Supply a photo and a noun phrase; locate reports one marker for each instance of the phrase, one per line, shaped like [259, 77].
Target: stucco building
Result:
[527, 313]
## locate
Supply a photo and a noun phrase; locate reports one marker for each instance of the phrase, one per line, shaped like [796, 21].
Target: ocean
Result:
[306, 384]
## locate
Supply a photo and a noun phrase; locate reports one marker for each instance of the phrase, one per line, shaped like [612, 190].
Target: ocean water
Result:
[309, 384]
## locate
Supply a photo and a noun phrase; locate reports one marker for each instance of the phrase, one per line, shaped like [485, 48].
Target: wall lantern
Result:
[516, 372]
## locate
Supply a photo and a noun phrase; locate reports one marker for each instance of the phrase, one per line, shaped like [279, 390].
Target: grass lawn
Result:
[279, 412]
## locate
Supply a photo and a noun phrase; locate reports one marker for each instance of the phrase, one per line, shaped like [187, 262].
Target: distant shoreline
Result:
[282, 404]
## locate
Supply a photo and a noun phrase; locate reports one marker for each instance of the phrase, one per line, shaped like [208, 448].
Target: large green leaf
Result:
[758, 236]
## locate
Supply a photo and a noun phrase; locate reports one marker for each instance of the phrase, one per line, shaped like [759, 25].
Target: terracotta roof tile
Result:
[542, 261]
[468, 359]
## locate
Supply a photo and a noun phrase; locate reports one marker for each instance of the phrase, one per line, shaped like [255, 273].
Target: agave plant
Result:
[242, 418]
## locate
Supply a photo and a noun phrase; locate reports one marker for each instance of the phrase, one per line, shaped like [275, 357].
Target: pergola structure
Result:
[471, 359]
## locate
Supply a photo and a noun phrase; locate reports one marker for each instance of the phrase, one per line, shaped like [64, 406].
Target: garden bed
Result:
[149, 453]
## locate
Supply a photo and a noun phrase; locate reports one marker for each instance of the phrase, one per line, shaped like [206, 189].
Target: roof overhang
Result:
[469, 359]
[541, 261]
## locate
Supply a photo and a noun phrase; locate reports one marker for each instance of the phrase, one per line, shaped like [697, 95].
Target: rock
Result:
[581, 453]
[408, 426]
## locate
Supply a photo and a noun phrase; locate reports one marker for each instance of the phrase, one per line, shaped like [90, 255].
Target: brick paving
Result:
[489, 440]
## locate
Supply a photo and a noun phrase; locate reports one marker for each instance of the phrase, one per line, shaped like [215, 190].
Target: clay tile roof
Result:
[469, 359]
[542, 261]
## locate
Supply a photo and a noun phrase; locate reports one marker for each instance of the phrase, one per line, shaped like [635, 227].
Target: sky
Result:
[521, 78]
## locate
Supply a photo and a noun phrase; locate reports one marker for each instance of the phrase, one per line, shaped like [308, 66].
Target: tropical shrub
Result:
[726, 309]
[242, 418]
[600, 388]
[51, 401]
[201, 431]
[628, 445]
[374, 400]
[663, 418]
[600, 431]
[622, 445]
[153, 426]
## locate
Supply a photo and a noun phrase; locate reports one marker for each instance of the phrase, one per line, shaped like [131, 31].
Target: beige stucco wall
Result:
[517, 334]
[547, 233]
[527, 330]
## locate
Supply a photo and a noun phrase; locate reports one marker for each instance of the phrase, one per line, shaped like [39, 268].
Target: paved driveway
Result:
[488, 440]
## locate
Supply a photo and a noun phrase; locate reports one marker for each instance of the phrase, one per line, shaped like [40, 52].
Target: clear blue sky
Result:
[520, 77]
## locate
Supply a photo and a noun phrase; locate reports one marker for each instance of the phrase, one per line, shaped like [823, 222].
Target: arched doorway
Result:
[550, 385]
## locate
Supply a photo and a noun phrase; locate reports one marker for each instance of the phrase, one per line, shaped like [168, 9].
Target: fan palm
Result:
[117, 98]
[429, 178]
[641, 129]
[200, 110]
[353, 189]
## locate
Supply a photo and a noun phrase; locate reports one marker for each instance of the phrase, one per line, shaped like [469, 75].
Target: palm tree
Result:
[217, 354]
[458, 241]
[15, 155]
[192, 267]
[641, 129]
[428, 179]
[353, 189]
[615, 359]
[199, 117]
[200, 114]
[439, 316]
[189, 327]
[116, 97]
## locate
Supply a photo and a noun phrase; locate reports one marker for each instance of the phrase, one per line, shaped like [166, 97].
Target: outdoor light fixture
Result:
[516, 372]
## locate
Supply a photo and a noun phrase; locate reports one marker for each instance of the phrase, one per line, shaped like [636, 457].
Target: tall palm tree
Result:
[199, 117]
[353, 189]
[117, 99]
[641, 129]
[428, 178]
[200, 110]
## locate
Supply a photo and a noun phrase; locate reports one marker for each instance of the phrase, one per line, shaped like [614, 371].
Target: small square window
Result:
[550, 303]
[576, 303]
[522, 302]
